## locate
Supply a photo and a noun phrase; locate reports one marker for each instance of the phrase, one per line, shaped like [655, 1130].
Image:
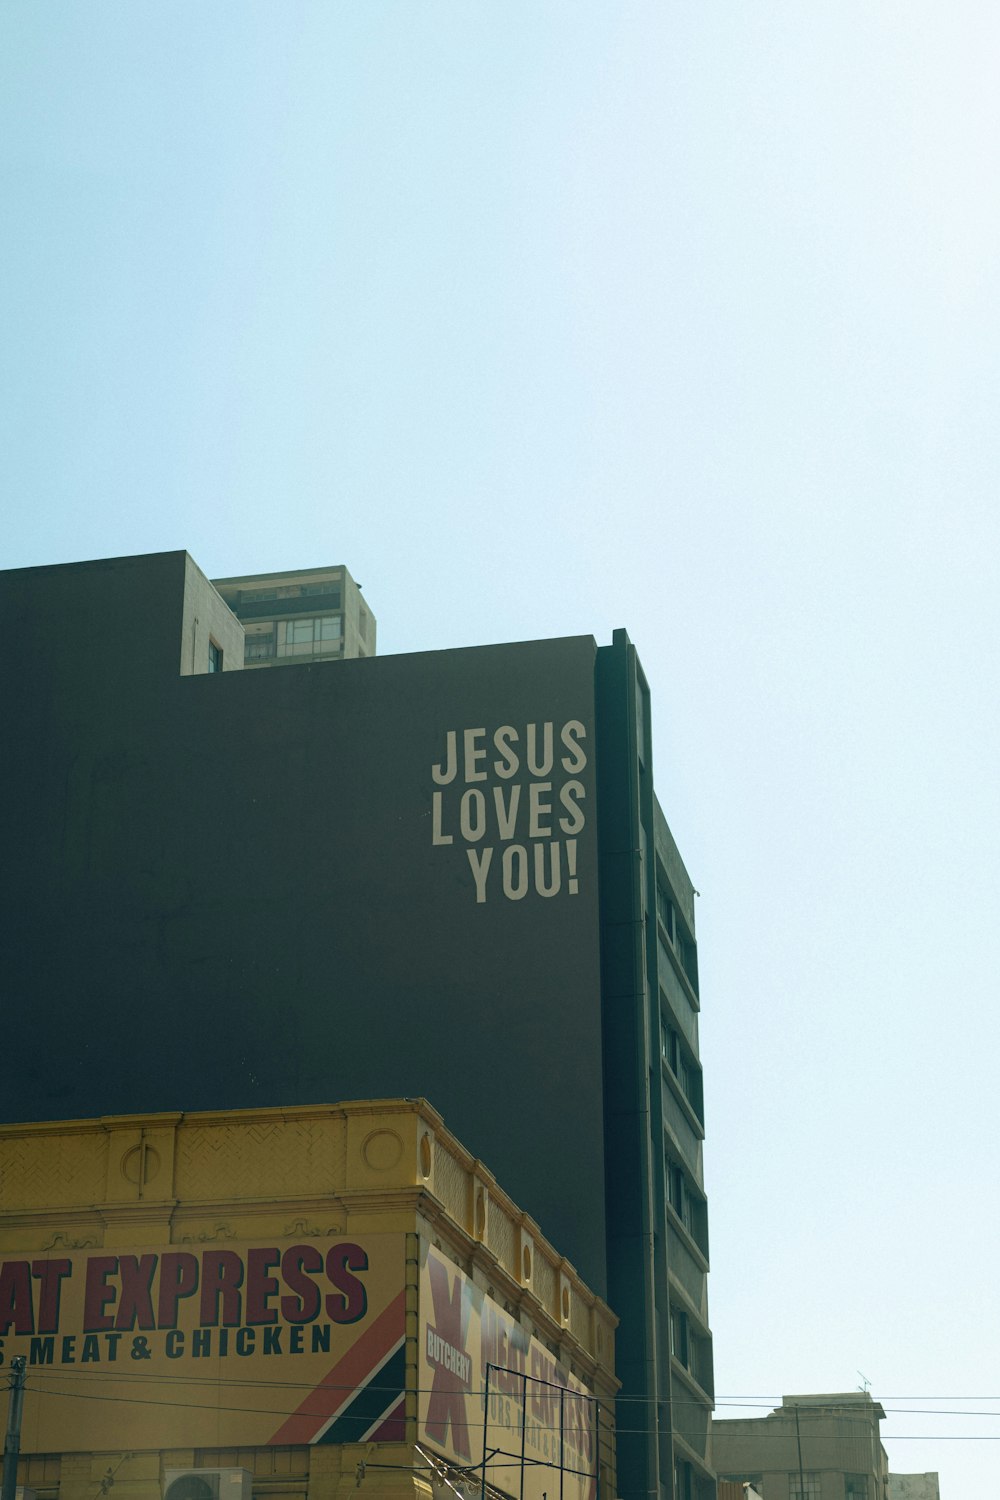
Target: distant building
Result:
[311, 614]
[292, 1304]
[914, 1487]
[824, 1447]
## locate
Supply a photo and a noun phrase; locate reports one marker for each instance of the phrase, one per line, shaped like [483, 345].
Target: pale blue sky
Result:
[548, 318]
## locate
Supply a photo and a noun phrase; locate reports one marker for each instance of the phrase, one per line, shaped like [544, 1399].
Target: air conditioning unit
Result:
[207, 1484]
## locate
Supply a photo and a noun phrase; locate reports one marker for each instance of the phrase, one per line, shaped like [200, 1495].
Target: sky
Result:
[551, 318]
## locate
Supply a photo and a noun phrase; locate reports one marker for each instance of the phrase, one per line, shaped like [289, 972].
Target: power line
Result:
[552, 1428]
[135, 1377]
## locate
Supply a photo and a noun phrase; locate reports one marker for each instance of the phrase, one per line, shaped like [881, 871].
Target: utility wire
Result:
[135, 1377]
[494, 1426]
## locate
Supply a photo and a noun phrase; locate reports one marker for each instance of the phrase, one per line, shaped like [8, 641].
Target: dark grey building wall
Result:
[224, 891]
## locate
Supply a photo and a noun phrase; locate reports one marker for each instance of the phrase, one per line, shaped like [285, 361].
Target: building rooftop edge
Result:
[275, 573]
[101, 562]
[418, 1106]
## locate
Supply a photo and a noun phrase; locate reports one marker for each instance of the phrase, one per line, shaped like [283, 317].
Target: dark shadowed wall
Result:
[253, 889]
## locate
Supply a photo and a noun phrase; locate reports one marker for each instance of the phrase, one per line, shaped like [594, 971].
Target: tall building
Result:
[299, 1302]
[311, 614]
[440, 875]
[824, 1447]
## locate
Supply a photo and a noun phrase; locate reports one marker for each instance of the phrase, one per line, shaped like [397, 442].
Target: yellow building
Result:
[291, 1304]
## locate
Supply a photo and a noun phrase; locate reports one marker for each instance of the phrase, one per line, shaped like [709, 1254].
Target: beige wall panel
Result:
[249, 1159]
[46, 1170]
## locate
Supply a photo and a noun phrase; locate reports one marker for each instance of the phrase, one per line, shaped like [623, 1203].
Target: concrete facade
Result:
[823, 1447]
[211, 635]
[914, 1486]
[113, 1191]
[309, 614]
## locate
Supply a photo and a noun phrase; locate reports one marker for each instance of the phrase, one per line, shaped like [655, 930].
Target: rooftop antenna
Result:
[866, 1383]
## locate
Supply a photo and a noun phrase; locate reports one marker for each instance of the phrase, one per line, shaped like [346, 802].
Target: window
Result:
[680, 942]
[688, 955]
[687, 1204]
[687, 1073]
[309, 636]
[214, 657]
[855, 1487]
[259, 646]
[678, 1195]
[665, 910]
[680, 1344]
[810, 1490]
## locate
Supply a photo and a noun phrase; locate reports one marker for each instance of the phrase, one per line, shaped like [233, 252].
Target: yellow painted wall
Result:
[381, 1174]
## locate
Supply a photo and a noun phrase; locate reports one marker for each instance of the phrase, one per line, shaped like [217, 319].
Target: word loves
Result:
[514, 799]
[218, 1301]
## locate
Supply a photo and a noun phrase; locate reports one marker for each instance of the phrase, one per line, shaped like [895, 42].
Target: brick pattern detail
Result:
[500, 1238]
[579, 1321]
[451, 1184]
[543, 1279]
[251, 1161]
[41, 1173]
